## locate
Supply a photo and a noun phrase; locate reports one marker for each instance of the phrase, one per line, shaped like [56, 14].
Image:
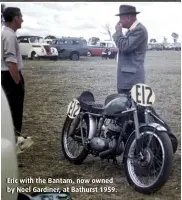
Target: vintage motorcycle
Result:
[116, 129]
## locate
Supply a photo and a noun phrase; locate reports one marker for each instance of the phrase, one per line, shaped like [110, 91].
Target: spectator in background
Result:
[132, 50]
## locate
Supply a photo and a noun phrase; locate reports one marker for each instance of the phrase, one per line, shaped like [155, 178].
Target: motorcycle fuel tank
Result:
[116, 106]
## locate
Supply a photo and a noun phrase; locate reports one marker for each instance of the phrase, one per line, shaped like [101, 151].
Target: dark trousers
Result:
[142, 120]
[123, 91]
[15, 95]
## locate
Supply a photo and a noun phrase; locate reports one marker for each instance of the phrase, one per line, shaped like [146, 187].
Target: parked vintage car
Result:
[169, 47]
[176, 46]
[48, 41]
[70, 47]
[34, 47]
[155, 46]
[96, 50]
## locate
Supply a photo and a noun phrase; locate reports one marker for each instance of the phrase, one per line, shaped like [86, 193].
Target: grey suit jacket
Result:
[132, 51]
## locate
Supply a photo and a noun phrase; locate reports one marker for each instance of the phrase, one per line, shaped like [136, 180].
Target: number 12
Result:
[142, 91]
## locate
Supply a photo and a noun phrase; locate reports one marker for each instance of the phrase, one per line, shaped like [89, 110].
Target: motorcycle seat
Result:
[87, 103]
[92, 107]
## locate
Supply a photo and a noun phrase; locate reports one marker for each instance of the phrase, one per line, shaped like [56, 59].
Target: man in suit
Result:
[132, 50]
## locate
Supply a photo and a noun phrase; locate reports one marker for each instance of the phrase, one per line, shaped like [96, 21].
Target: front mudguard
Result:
[160, 127]
[155, 126]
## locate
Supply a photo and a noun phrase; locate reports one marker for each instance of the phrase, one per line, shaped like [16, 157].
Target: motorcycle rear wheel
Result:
[82, 155]
[136, 172]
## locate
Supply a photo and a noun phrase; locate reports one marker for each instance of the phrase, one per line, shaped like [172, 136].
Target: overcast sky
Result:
[83, 19]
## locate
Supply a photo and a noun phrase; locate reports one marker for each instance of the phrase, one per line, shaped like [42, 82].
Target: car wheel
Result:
[54, 58]
[33, 56]
[74, 56]
[89, 53]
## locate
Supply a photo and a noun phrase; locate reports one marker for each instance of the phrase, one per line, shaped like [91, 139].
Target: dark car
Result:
[70, 47]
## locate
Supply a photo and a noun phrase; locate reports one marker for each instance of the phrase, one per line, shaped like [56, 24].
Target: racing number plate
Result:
[73, 109]
[143, 94]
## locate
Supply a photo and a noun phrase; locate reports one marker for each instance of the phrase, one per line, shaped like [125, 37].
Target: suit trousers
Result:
[123, 91]
[15, 96]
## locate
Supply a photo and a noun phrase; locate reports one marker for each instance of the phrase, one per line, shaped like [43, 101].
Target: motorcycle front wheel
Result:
[72, 145]
[149, 172]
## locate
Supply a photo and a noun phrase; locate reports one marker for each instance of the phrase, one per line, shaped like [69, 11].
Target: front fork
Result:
[137, 131]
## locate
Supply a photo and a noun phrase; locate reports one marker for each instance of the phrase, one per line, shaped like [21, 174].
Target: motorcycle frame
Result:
[95, 127]
[93, 124]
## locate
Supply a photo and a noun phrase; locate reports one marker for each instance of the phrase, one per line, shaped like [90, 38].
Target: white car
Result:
[9, 166]
[108, 43]
[34, 47]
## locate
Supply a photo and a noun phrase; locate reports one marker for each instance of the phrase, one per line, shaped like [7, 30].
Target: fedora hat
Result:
[126, 10]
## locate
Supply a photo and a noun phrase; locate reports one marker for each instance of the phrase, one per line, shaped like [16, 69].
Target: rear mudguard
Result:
[156, 126]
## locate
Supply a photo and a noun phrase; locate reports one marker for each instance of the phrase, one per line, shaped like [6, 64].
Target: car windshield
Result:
[103, 44]
[36, 40]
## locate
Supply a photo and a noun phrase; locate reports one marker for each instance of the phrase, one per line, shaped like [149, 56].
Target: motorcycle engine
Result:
[99, 144]
[112, 129]
[108, 140]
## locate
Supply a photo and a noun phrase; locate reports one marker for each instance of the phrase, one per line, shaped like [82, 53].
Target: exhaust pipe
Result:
[75, 124]
[105, 153]
[92, 127]
[112, 148]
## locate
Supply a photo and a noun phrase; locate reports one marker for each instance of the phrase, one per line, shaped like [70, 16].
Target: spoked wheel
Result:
[148, 172]
[72, 145]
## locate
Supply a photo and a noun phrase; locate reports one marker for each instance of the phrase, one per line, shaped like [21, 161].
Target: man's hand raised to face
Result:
[118, 26]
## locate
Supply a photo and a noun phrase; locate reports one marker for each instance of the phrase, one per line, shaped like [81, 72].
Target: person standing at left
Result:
[11, 65]
[2, 19]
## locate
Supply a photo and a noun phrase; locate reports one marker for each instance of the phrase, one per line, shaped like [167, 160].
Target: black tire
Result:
[74, 56]
[166, 168]
[33, 56]
[172, 137]
[84, 153]
[54, 58]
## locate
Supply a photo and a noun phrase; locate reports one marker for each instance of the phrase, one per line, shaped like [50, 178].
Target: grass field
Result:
[50, 85]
